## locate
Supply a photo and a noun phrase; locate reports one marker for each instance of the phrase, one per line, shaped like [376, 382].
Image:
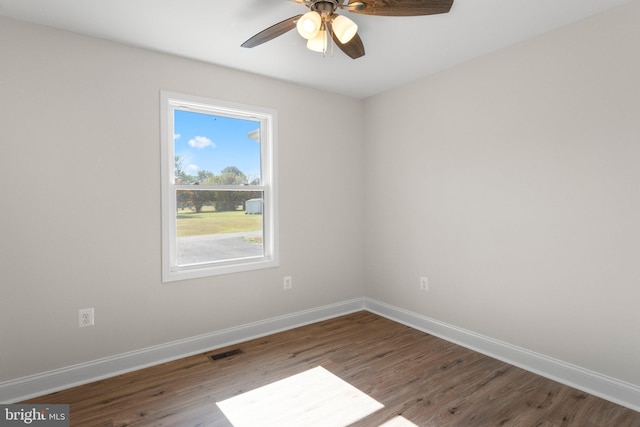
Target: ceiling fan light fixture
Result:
[319, 42]
[344, 28]
[309, 25]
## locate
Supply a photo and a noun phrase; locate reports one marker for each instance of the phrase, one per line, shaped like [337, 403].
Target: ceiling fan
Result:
[322, 21]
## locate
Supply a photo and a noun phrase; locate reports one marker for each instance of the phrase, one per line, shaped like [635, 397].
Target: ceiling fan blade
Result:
[353, 48]
[402, 7]
[272, 32]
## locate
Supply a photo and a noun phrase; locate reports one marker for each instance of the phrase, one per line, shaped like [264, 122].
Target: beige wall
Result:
[80, 218]
[512, 182]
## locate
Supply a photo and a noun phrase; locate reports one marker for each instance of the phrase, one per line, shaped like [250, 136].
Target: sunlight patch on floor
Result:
[398, 421]
[312, 398]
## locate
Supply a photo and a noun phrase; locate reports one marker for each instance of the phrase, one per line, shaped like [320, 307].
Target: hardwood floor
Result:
[429, 381]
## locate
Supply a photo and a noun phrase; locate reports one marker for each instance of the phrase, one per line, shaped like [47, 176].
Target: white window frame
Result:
[170, 101]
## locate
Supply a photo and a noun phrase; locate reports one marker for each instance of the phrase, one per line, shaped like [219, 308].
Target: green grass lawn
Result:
[190, 223]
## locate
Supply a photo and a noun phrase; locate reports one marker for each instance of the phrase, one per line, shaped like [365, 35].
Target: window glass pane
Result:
[214, 226]
[212, 149]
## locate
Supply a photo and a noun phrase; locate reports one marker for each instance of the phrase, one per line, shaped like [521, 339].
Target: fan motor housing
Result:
[324, 7]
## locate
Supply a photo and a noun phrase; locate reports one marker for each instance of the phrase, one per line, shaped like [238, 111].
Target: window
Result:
[218, 187]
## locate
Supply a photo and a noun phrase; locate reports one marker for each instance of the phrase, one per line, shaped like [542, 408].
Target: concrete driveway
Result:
[217, 247]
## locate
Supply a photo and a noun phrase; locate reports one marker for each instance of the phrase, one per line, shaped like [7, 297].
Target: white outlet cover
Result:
[85, 317]
[424, 283]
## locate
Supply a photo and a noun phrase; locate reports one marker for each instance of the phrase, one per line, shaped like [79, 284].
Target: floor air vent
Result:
[224, 355]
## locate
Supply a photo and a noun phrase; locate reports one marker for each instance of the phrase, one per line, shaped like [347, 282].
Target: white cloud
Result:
[192, 170]
[176, 136]
[201, 142]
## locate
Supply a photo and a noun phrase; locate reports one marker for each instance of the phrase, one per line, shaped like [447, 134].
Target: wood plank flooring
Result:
[426, 380]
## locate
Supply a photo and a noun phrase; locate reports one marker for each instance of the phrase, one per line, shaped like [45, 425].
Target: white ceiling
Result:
[398, 49]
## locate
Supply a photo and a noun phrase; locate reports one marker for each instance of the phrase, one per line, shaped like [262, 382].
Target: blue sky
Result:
[208, 142]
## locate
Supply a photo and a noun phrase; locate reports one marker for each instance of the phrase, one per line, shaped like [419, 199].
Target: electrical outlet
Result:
[85, 317]
[288, 283]
[424, 283]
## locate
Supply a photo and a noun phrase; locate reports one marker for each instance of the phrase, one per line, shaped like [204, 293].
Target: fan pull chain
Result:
[329, 39]
[326, 39]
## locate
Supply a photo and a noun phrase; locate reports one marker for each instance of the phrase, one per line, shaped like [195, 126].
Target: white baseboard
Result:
[60, 379]
[591, 382]
[608, 388]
